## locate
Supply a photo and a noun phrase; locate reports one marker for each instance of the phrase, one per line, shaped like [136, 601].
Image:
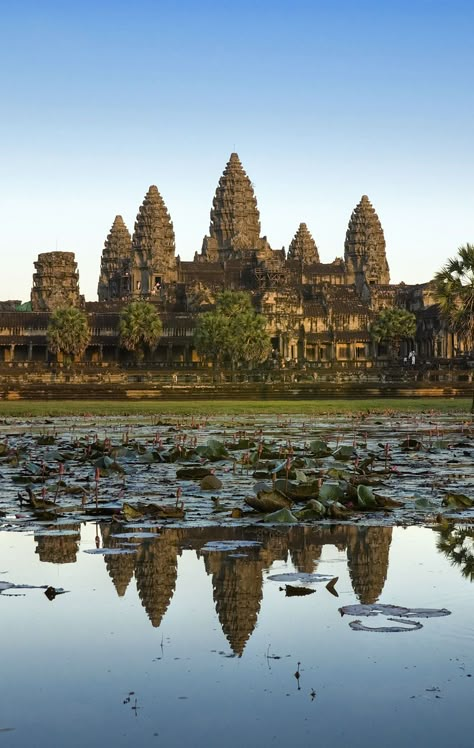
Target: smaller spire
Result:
[116, 252]
[303, 247]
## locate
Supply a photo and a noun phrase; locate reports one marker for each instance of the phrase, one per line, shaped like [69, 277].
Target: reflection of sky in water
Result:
[68, 665]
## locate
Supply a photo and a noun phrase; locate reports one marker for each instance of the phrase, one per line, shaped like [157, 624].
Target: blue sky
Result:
[323, 101]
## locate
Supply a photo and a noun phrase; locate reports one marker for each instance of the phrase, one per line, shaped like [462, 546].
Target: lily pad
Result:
[283, 516]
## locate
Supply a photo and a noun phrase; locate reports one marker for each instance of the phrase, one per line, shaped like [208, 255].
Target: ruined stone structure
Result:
[318, 313]
[56, 282]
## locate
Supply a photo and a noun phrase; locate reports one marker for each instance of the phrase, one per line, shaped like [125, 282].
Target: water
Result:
[187, 642]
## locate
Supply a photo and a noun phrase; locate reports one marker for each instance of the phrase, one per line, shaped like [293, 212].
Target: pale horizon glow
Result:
[322, 102]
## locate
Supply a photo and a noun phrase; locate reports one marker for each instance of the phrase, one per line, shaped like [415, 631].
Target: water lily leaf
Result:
[458, 500]
[313, 510]
[319, 448]
[365, 497]
[240, 444]
[339, 474]
[283, 516]
[131, 512]
[32, 468]
[336, 510]
[215, 450]
[344, 453]
[192, 473]
[330, 492]
[301, 476]
[425, 504]
[103, 462]
[268, 501]
[411, 445]
[46, 439]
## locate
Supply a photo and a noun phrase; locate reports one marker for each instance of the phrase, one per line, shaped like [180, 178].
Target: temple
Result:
[317, 312]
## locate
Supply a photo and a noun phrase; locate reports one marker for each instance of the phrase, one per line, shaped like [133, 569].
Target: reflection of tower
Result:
[59, 549]
[155, 573]
[305, 549]
[121, 566]
[237, 585]
[367, 559]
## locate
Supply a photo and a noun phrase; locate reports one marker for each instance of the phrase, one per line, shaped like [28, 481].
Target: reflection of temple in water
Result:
[155, 573]
[59, 549]
[367, 559]
[120, 567]
[237, 577]
[237, 590]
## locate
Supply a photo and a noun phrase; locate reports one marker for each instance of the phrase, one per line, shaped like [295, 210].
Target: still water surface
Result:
[185, 640]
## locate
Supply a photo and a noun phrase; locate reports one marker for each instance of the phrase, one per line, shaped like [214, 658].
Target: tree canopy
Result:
[455, 294]
[393, 326]
[68, 332]
[233, 333]
[140, 328]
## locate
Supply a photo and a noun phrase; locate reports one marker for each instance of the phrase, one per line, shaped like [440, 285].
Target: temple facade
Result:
[317, 312]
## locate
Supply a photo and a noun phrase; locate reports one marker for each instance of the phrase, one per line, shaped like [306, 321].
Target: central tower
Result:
[234, 232]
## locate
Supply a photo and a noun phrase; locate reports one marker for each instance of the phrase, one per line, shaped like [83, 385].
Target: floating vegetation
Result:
[396, 468]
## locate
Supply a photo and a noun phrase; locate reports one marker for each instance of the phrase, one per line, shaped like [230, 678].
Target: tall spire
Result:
[303, 247]
[364, 248]
[235, 220]
[116, 253]
[153, 242]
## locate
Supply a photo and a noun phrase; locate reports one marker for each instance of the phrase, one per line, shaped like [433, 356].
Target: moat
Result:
[187, 641]
[217, 623]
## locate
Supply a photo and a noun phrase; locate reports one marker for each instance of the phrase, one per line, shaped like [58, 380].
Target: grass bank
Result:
[24, 409]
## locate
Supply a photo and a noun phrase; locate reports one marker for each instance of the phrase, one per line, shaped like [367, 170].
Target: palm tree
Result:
[68, 332]
[455, 296]
[140, 328]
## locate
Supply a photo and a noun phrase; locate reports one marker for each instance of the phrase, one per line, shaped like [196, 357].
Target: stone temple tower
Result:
[116, 256]
[153, 247]
[234, 232]
[55, 282]
[303, 247]
[364, 248]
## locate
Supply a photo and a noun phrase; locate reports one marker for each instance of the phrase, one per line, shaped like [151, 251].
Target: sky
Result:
[324, 101]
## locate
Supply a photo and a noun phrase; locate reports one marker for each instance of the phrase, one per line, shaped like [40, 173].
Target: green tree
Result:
[140, 328]
[392, 326]
[233, 333]
[68, 332]
[455, 296]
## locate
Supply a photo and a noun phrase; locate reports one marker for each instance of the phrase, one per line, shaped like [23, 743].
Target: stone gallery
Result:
[317, 312]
